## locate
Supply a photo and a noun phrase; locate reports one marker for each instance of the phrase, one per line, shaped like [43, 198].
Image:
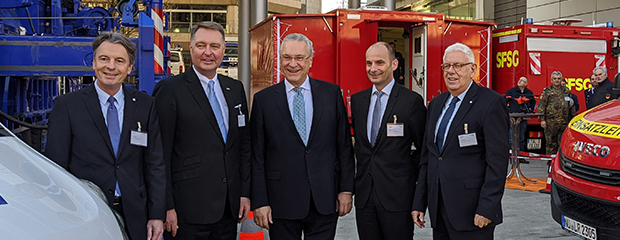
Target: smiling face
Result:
[295, 61]
[207, 51]
[111, 65]
[379, 67]
[457, 80]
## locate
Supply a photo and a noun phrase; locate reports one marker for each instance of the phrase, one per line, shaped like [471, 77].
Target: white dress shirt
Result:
[204, 81]
[373, 99]
[119, 104]
[445, 108]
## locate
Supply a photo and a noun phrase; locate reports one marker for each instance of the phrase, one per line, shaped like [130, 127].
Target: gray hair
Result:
[460, 48]
[207, 25]
[299, 38]
[602, 68]
[556, 73]
[116, 38]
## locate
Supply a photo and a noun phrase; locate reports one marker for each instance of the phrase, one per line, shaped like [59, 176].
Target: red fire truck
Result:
[341, 38]
[535, 51]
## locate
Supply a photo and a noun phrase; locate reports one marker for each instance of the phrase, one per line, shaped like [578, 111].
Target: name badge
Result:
[395, 129]
[240, 117]
[468, 139]
[567, 99]
[138, 137]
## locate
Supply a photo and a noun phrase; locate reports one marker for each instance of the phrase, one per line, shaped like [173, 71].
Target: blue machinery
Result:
[45, 48]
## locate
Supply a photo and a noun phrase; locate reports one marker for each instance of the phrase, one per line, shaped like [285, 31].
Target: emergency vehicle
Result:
[585, 191]
[341, 38]
[535, 51]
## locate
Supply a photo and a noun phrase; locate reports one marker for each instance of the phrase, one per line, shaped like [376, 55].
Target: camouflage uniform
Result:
[557, 108]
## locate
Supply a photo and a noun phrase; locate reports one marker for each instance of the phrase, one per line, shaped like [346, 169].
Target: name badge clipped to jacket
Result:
[395, 129]
[467, 139]
[138, 137]
[240, 117]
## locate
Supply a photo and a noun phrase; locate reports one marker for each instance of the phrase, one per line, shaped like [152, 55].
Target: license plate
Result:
[578, 228]
[534, 143]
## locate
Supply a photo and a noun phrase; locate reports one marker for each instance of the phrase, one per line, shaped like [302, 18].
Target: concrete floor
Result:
[527, 215]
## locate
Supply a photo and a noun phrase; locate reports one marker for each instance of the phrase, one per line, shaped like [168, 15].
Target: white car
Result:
[176, 62]
[41, 200]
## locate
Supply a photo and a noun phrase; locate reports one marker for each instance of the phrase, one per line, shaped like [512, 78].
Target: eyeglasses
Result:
[456, 66]
[298, 58]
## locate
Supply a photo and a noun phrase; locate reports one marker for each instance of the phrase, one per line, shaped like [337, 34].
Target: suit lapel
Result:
[434, 118]
[468, 101]
[317, 106]
[364, 108]
[195, 88]
[91, 100]
[281, 102]
[129, 121]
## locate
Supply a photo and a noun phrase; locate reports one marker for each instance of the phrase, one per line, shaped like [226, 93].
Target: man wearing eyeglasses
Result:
[557, 108]
[465, 155]
[302, 159]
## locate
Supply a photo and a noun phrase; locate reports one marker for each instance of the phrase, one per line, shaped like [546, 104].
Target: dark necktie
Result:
[376, 119]
[444, 124]
[113, 126]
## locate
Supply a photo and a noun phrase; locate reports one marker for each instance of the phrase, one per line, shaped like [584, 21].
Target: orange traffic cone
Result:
[547, 189]
[249, 229]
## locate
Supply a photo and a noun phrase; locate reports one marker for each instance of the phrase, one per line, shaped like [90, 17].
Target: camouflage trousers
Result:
[553, 136]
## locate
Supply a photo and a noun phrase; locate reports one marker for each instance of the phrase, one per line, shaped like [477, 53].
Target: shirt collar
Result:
[103, 96]
[462, 95]
[204, 78]
[387, 89]
[289, 87]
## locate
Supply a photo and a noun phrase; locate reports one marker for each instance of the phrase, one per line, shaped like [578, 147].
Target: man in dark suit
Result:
[385, 128]
[520, 100]
[465, 154]
[109, 134]
[302, 160]
[206, 144]
[600, 92]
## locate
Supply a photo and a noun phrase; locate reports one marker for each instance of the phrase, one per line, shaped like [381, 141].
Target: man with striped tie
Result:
[302, 162]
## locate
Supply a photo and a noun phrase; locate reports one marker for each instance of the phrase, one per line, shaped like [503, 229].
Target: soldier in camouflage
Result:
[557, 108]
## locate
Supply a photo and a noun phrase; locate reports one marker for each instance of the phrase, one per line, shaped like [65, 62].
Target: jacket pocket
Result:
[272, 175]
[472, 183]
[191, 160]
[185, 175]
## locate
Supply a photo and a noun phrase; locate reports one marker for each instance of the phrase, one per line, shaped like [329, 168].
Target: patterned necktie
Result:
[215, 105]
[113, 126]
[299, 114]
[444, 124]
[376, 119]
[115, 133]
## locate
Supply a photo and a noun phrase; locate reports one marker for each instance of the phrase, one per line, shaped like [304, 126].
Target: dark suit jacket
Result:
[284, 171]
[472, 178]
[202, 170]
[602, 94]
[390, 164]
[78, 140]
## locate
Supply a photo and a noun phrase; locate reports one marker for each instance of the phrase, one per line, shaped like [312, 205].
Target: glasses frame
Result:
[296, 58]
[456, 66]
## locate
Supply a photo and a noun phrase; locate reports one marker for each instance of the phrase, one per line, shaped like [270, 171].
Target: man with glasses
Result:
[557, 108]
[302, 159]
[600, 92]
[465, 154]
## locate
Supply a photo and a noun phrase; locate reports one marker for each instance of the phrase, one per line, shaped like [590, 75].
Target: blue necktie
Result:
[376, 119]
[299, 114]
[215, 105]
[115, 133]
[444, 124]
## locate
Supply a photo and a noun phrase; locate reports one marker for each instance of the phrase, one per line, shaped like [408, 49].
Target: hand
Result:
[262, 217]
[244, 209]
[418, 218]
[543, 124]
[344, 203]
[154, 229]
[171, 224]
[481, 221]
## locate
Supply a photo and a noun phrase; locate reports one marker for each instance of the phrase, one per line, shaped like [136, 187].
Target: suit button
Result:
[307, 152]
[223, 180]
[440, 159]
[226, 153]
[110, 191]
[307, 179]
[117, 166]
[436, 182]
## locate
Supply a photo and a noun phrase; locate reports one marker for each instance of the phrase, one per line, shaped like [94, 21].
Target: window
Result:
[183, 16]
